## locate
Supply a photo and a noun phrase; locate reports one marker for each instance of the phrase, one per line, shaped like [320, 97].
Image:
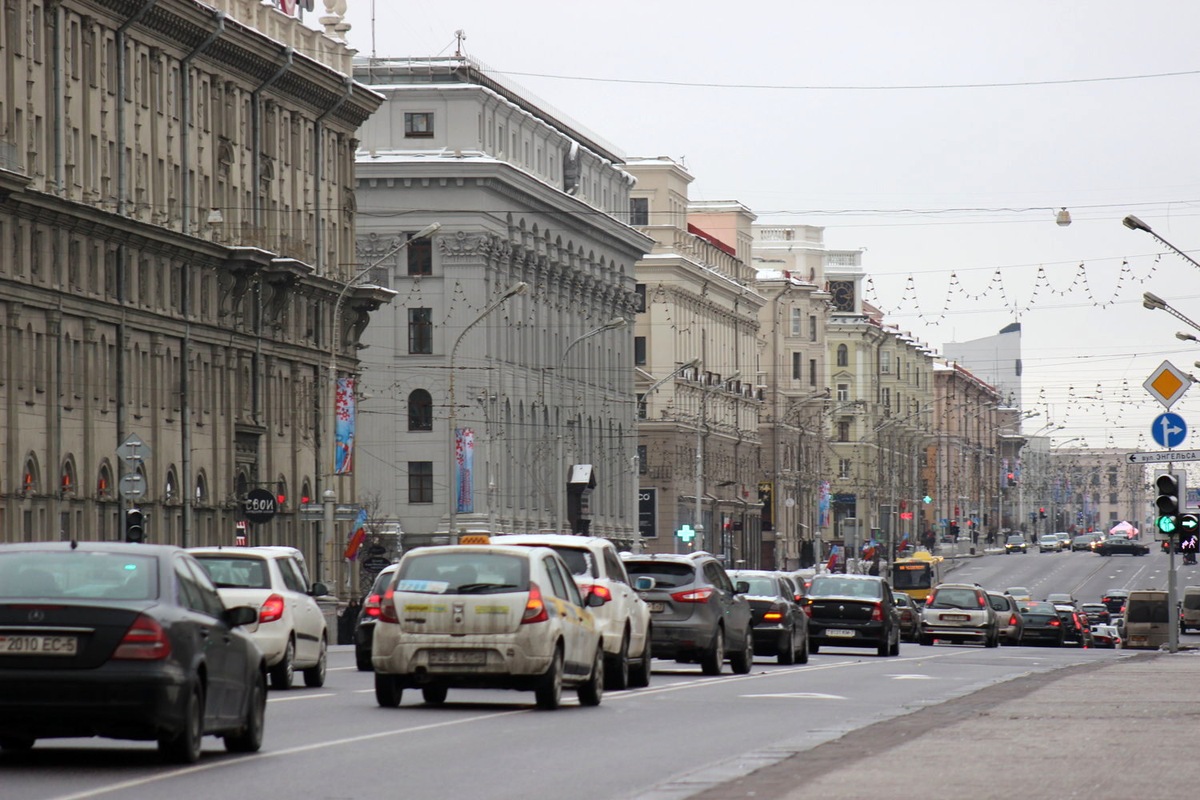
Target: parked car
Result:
[696, 613]
[1015, 543]
[909, 613]
[1042, 624]
[1121, 545]
[368, 615]
[958, 612]
[124, 641]
[623, 618]
[1115, 600]
[780, 624]
[1048, 543]
[290, 629]
[1097, 613]
[852, 611]
[1008, 617]
[1085, 541]
[486, 616]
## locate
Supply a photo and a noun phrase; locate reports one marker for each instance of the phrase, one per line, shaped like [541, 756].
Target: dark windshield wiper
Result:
[472, 588]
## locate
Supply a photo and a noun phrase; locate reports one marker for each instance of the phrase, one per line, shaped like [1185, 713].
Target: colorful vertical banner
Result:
[358, 536]
[823, 501]
[345, 411]
[464, 470]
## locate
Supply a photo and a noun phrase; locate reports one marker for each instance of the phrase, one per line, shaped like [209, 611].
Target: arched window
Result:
[67, 481]
[31, 480]
[201, 490]
[420, 411]
[843, 356]
[171, 488]
[105, 488]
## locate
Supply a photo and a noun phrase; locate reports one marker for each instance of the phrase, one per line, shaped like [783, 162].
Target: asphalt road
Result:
[684, 734]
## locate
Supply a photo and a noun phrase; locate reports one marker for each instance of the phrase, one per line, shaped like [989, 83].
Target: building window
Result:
[843, 355]
[812, 327]
[643, 467]
[885, 397]
[797, 366]
[641, 405]
[418, 125]
[420, 481]
[639, 211]
[797, 321]
[420, 256]
[843, 468]
[639, 351]
[812, 372]
[420, 411]
[420, 330]
[885, 362]
[843, 393]
[641, 295]
[1112, 498]
[843, 430]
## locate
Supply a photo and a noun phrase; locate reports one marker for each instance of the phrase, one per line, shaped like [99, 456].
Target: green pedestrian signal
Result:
[686, 533]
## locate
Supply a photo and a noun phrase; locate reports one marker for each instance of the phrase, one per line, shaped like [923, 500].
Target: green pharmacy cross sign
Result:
[686, 533]
[926, 499]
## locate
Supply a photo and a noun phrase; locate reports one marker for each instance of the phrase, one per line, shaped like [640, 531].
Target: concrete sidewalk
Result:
[1114, 730]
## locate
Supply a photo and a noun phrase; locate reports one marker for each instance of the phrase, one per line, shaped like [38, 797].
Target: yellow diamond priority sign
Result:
[1167, 384]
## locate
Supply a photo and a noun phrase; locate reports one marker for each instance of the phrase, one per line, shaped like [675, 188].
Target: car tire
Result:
[712, 659]
[434, 694]
[802, 654]
[16, 743]
[924, 640]
[895, 648]
[616, 671]
[314, 676]
[814, 647]
[787, 649]
[362, 660]
[249, 738]
[387, 691]
[185, 745]
[284, 673]
[591, 691]
[743, 661]
[992, 640]
[639, 676]
[548, 693]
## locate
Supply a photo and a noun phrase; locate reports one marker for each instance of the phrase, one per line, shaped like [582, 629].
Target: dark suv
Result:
[852, 611]
[696, 613]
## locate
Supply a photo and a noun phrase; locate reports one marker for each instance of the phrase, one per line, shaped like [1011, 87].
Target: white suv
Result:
[624, 618]
[290, 630]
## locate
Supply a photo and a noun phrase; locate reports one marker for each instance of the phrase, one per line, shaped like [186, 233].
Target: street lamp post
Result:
[327, 529]
[452, 464]
[561, 495]
[1135, 224]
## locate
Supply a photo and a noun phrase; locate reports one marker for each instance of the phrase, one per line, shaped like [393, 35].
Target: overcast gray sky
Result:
[986, 118]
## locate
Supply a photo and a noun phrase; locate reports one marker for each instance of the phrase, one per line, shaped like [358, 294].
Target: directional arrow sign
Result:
[1164, 456]
[1169, 430]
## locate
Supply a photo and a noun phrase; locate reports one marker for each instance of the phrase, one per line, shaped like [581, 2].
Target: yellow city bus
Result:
[917, 574]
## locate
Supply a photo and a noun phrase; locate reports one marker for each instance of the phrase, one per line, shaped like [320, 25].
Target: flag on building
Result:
[358, 536]
[833, 558]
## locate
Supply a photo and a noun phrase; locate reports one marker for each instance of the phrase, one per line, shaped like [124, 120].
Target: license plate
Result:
[38, 645]
[657, 608]
[443, 658]
[954, 617]
[840, 633]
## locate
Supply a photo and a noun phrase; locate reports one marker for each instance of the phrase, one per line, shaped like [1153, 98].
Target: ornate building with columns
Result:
[177, 217]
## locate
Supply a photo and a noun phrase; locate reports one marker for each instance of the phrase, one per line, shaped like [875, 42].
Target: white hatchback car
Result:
[624, 618]
[486, 616]
[291, 629]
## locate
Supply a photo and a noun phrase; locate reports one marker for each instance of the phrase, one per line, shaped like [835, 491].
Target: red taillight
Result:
[271, 609]
[145, 640]
[371, 606]
[808, 608]
[929, 600]
[387, 607]
[877, 612]
[535, 607]
[1013, 620]
[983, 602]
[600, 591]
[693, 596]
[1054, 623]
[774, 614]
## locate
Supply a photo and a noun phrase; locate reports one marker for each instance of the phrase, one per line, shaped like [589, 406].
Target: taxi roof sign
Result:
[1167, 383]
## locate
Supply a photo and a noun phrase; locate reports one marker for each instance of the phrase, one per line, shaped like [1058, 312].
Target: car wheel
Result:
[549, 689]
[639, 676]
[434, 694]
[787, 649]
[713, 658]
[992, 640]
[362, 660]
[802, 654]
[591, 691]
[616, 671]
[16, 743]
[283, 673]
[314, 676]
[249, 738]
[895, 648]
[924, 640]
[184, 746]
[743, 660]
[387, 690]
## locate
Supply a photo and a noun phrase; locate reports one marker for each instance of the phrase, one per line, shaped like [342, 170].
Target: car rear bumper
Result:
[676, 639]
[949, 632]
[860, 635]
[769, 638]
[504, 659]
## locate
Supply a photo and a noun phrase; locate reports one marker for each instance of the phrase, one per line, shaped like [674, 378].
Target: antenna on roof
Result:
[460, 36]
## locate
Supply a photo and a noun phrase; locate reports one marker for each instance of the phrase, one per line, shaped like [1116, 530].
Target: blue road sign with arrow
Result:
[1169, 430]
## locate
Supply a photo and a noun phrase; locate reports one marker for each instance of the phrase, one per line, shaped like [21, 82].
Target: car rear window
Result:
[666, 574]
[579, 561]
[464, 572]
[1191, 602]
[998, 602]
[759, 585]
[843, 587]
[955, 598]
[236, 572]
[78, 575]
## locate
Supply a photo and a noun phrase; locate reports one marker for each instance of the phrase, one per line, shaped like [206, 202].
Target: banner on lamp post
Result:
[464, 468]
[345, 412]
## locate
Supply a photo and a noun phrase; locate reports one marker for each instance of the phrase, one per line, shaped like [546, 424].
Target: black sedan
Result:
[780, 626]
[1042, 624]
[124, 641]
[1121, 545]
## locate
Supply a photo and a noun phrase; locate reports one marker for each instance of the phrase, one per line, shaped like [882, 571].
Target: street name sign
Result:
[1164, 456]
[1167, 384]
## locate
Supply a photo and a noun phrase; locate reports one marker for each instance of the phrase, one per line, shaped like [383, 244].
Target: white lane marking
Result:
[797, 696]
[911, 677]
[300, 697]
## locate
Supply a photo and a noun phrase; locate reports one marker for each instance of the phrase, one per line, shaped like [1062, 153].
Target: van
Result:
[1189, 614]
[1147, 619]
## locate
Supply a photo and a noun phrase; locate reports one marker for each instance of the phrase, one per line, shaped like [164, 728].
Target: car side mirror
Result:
[240, 615]
[594, 600]
[319, 590]
[644, 583]
[741, 587]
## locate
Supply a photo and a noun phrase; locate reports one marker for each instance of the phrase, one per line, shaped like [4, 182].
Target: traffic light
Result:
[1011, 479]
[1170, 488]
[1042, 512]
[135, 526]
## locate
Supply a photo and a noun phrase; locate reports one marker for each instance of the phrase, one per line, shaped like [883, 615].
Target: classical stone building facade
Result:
[177, 217]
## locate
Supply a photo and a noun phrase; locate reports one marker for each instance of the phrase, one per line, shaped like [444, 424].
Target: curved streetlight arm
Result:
[1135, 224]
[1155, 303]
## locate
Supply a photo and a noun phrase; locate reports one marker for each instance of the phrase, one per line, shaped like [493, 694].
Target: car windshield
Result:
[578, 560]
[464, 572]
[666, 574]
[843, 587]
[955, 598]
[998, 602]
[1017, 591]
[760, 585]
[78, 575]
[382, 580]
[236, 572]
[1016, 538]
